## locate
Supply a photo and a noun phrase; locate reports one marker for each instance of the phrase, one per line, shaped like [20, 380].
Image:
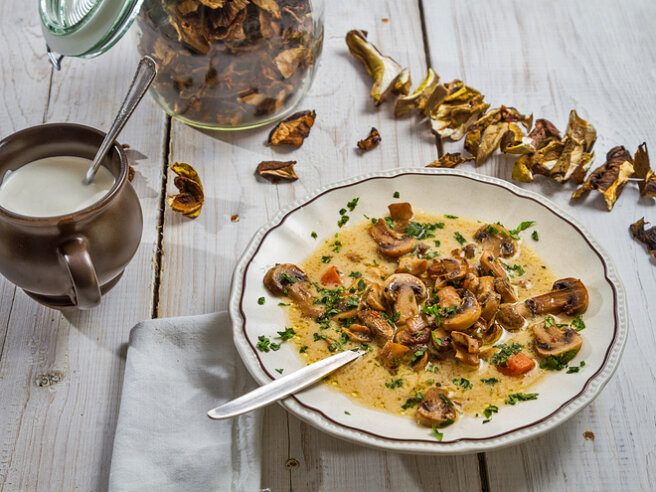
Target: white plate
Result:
[564, 244]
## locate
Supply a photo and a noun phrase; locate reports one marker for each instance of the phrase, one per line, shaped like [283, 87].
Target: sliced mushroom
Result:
[491, 265]
[379, 327]
[415, 333]
[405, 291]
[448, 270]
[436, 409]
[469, 250]
[467, 348]
[401, 213]
[358, 333]
[391, 354]
[507, 291]
[373, 297]
[487, 335]
[391, 243]
[496, 239]
[551, 340]
[568, 295]
[485, 286]
[448, 297]
[512, 316]
[465, 315]
[412, 265]
[471, 282]
[489, 306]
[440, 340]
[288, 279]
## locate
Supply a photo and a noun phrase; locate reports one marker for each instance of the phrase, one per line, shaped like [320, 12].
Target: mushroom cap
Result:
[375, 322]
[552, 340]
[277, 279]
[568, 295]
[436, 409]
[415, 333]
[448, 297]
[399, 281]
[448, 270]
[511, 316]
[489, 307]
[503, 287]
[412, 265]
[391, 243]
[465, 315]
[358, 333]
[499, 243]
[391, 355]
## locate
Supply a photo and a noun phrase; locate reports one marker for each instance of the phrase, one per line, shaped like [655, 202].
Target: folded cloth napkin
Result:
[176, 370]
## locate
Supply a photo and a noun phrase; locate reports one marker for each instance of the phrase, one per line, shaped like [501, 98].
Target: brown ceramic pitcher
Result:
[69, 260]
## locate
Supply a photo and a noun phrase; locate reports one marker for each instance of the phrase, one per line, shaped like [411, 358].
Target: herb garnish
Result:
[463, 383]
[573, 369]
[336, 246]
[515, 397]
[458, 237]
[446, 400]
[279, 371]
[535, 236]
[489, 410]
[355, 275]
[394, 383]
[514, 268]
[288, 278]
[438, 435]
[421, 230]
[303, 349]
[396, 194]
[314, 235]
[521, 227]
[342, 220]
[557, 362]
[490, 381]
[450, 216]
[578, 323]
[260, 300]
[500, 358]
[353, 203]
[411, 402]
[326, 259]
[288, 334]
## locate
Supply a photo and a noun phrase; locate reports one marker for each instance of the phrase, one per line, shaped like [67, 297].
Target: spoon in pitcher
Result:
[143, 77]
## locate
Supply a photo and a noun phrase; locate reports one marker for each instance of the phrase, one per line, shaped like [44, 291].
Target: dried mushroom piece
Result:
[644, 235]
[450, 160]
[644, 172]
[190, 200]
[293, 130]
[383, 69]
[543, 133]
[276, 171]
[485, 135]
[577, 155]
[610, 178]
[452, 108]
[371, 141]
[403, 83]
[419, 96]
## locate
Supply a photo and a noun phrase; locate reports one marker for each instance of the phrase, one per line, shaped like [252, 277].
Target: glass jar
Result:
[221, 64]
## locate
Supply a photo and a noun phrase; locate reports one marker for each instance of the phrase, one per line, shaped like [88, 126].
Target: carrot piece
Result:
[331, 277]
[517, 364]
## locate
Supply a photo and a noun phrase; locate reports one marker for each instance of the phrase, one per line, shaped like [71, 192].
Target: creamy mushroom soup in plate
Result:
[484, 322]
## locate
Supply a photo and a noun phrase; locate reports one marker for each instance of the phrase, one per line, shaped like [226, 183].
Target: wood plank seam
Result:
[4, 338]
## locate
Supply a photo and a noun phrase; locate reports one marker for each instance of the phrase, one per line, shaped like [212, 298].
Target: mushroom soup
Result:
[456, 316]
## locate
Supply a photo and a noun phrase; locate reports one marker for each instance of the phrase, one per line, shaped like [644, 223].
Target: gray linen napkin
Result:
[176, 370]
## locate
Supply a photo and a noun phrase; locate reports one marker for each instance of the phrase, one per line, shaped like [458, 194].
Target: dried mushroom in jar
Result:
[190, 200]
[229, 62]
[293, 130]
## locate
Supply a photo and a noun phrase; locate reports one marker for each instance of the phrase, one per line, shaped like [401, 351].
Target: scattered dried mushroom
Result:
[276, 171]
[450, 160]
[293, 130]
[372, 140]
[191, 197]
[486, 134]
[229, 62]
[610, 178]
[643, 171]
[644, 235]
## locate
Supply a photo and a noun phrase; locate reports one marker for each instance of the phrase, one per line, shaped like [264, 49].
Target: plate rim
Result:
[317, 418]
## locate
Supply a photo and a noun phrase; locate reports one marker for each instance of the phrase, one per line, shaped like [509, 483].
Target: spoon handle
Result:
[282, 387]
[143, 77]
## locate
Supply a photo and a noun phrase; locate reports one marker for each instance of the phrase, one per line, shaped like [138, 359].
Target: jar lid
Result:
[85, 28]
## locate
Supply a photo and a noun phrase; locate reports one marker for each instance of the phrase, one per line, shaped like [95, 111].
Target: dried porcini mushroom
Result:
[371, 141]
[403, 83]
[644, 235]
[484, 136]
[644, 172]
[293, 130]
[256, 56]
[561, 160]
[191, 197]
[610, 178]
[276, 171]
[452, 108]
[542, 134]
[450, 160]
[419, 96]
[383, 69]
[131, 173]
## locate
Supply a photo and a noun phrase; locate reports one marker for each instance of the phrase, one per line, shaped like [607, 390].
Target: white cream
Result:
[53, 186]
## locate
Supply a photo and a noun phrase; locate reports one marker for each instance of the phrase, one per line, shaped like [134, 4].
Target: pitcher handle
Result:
[81, 271]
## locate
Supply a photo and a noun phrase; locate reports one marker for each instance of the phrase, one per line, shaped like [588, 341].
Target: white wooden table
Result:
[543, 56]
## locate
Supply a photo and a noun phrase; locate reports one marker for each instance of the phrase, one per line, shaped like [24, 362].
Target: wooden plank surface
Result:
[59, 436]
[548, 57]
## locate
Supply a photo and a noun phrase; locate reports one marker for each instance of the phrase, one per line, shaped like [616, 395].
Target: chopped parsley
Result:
[342, 211]
[458, 237]
[490, 229]
[437, 243]
[303, 349]
[342, 220]
[573, 369]
[339, 344]
[500, 358]
[514, 268]
[355, 275]
[353, 203]
[394, 383]
[578, 323]
[336, 246]
[314, 235]
[411, 402]
[450, 216]
[446, 400]
[260, 300]
[535, 236]
[318, 337]
[421, 230]
[288, 278]
[279, 371]
[274, 346]
[288, 334]
[438, 435]
[263, 343]
[515, 397]
[347, 412]
[490, 381]
[489, 410]
[396, 194]
[557, 362]
[418, 354]
[521, 227]
[463, 383]
[283, 304]
[326, 259]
